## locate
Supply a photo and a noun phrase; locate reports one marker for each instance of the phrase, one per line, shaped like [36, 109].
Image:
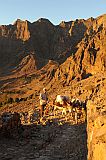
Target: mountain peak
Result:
[20, 21]
[43, 21]
[22, 29]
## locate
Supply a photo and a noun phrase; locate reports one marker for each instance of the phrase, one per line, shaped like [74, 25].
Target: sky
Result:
[54, 10]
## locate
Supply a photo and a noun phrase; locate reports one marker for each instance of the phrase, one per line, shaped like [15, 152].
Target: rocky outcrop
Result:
[89, 59]
[96, 123]
[27, 65]
[21, 30]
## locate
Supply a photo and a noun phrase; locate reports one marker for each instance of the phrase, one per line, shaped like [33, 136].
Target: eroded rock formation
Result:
[68, 59]
[83, 40]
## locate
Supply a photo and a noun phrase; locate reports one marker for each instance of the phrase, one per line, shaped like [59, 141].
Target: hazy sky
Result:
[54, 10]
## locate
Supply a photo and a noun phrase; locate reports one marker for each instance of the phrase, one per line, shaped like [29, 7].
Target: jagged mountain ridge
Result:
[77, 69]
[47, 41]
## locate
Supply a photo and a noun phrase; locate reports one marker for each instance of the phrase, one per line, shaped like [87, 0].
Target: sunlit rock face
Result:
[96, 120]
[83, 41]
[96, 130]
[21, 30]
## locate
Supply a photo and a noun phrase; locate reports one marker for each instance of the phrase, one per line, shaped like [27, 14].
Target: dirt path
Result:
[48, 142]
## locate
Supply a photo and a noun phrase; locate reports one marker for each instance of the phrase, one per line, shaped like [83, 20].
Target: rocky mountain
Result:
[83, 39]
[67, 59]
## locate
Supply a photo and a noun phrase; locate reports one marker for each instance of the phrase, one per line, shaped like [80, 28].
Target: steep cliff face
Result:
[78, 46]
[90, 57]
[21, 30]
[96, 131]
[83, 39]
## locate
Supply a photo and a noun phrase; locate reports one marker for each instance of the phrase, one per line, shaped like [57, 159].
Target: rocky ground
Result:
[46, 142]
[55, 136]
[62, 138]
